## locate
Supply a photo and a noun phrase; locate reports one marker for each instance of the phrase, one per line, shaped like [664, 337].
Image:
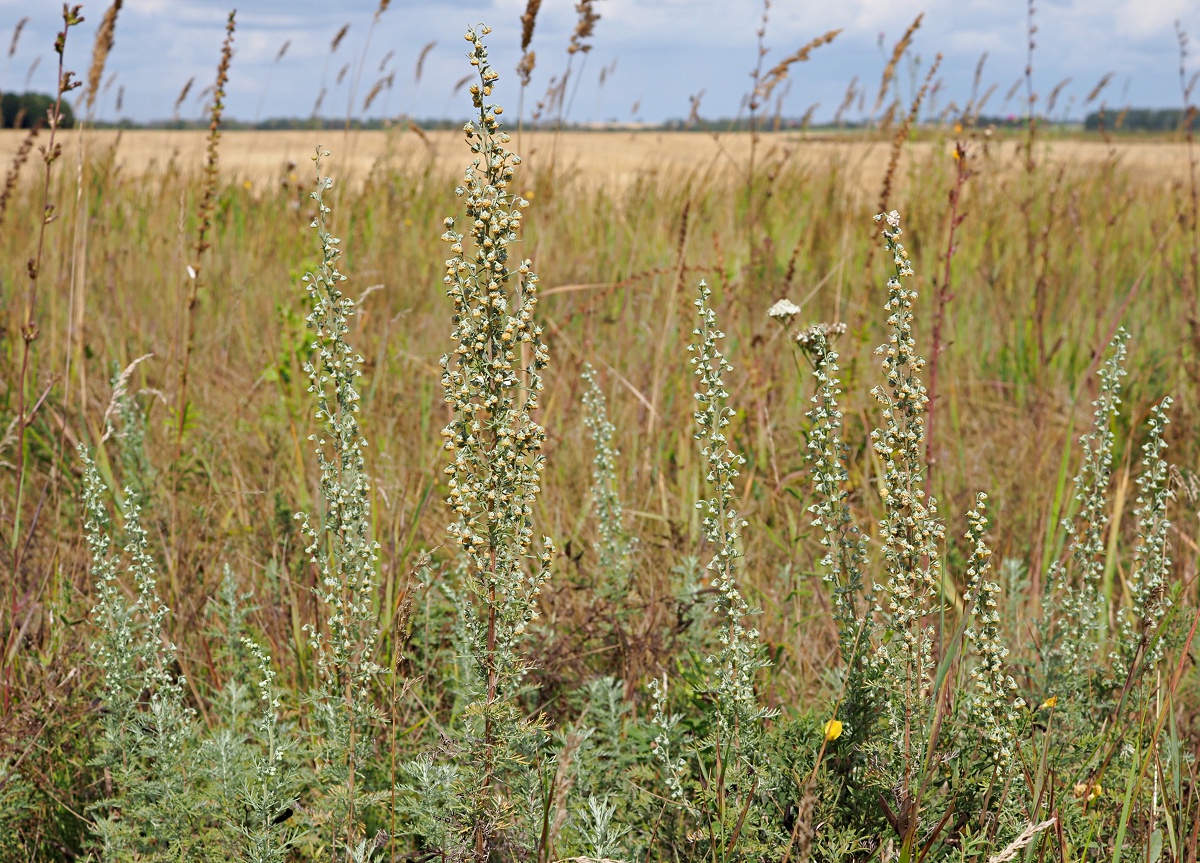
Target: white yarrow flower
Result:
[784, 308]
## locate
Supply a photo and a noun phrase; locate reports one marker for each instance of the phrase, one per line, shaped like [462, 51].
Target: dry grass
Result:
[621, 226]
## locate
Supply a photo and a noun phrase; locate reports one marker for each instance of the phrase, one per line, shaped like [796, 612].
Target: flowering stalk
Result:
[1152, 554]
[492, 381]
[994, 713]
[341, 545]
[1080, 600]
[912, 531]
[614, 551]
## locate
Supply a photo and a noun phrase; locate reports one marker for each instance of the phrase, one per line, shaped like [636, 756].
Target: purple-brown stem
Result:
[29, 328]
[943, 296]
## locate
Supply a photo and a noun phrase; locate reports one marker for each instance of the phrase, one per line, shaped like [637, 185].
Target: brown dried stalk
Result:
[12, 46]
[889, 71]
[1099, 88]
[584, 27]
[204, 215]
[902, 135]
[104, 44]
[942, 297]
[528, 58]
[51, 151]
[779, 71]
[338, 37]
[1189, 212]
[380, 85]
[183, 94]
[420, 61]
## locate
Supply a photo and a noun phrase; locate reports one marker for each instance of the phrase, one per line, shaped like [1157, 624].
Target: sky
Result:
[654, 54]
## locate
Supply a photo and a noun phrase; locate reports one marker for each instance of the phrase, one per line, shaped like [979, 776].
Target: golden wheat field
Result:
[609, 157]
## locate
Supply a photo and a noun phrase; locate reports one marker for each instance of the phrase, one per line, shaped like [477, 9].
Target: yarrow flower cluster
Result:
[784, 309]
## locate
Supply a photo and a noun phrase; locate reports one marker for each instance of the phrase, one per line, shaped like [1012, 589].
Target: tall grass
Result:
[792, 662]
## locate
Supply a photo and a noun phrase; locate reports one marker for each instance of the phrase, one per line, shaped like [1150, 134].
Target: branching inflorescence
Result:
[341, 546]
[740, 656]
[492, 381]
[1080, 600]
[911, 532]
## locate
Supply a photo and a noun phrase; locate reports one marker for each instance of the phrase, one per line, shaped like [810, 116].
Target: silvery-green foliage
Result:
[672, 765]
[1079, 607]
[16, 796]
[602, 835]
[149, 733]
[269, 799]
[342, 548]
[614, 551]
[426, 801]
[1140, 644]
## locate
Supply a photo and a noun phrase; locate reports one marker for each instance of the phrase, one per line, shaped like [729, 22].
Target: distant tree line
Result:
[1140, 120]
[25, 110]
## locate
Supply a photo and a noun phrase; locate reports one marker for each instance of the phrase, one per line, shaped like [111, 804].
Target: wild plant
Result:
[617, 602]
[492, 382]
[149, 733]
[30, 330]
[615, 547]
[204, 215]
[342, 548]
[931, 730]
[717, 778]
[174, 794]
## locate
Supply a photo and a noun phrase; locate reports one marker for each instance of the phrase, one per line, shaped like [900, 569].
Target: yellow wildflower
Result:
[833, 729]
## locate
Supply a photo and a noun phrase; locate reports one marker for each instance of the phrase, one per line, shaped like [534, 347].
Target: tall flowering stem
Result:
[845, 557]
[911, 532]
[993, 707]
[1152, 554]
[739, 658]
[614, 551]
[492, 381]
[341, 544]
[1078, 581]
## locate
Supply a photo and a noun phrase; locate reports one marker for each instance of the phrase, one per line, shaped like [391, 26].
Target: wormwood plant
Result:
[343, 549]
[176, 790]
[615, 548]
[492, 381]
[717, 778]
[933, 742]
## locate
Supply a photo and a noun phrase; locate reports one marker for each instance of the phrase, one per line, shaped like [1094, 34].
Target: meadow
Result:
[749, 632]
